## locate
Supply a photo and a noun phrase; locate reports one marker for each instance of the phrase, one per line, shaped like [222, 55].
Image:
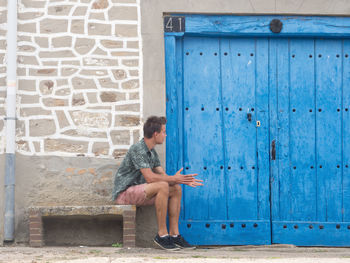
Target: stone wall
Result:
[79, 85]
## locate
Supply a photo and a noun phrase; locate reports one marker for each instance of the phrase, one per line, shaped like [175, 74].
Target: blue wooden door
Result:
[225, 84]
[310, 176]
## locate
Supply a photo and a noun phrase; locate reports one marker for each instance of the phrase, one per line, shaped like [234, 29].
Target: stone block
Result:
[26, 48]
[92, 97]
[71, 62]
[77, 26]
[84, 45]
[85, 72]
[78, 99]
[29, 99]
[33, 3]
[49, 25]
[27, 84]
[62, 119]
[80, 83]
[128, 107]
[50, 63]
[131, 84]
[134, 95]
[101, 120]
[46, 87]
[99, 62]
[59, 10]
[85, 133]
[41, 127]
[56, 54]
[43, 42]
[20, 128]
[123, 13]
[112, 44]
[62, 145]
[43, 72]
[97, 16]
[63, 92]
[126, 30]
[27, 60]
[132, 44]
[1, 125]
[112, 96]
[136, 136]
[29, 15]
[50, 102]
[99, 51]
[80, 11]
[99, 29]
[134, 73]
[33, 111]
[61, 82]
[22, 38]
[130, 62]
[108, 83]
[123, 1]
[27, 27]
[21, 72]
[119, 153]
[126, 121]
[125, 54]
[100, 4]
[65, 41]
[119, 74]
[100, 148]
[120, 137]
[68, 71]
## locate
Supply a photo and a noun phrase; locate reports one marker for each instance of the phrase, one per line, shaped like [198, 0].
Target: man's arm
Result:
[178, 178]
[160, 170]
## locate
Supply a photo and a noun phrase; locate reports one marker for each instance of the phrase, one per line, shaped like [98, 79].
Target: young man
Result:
[141, 180]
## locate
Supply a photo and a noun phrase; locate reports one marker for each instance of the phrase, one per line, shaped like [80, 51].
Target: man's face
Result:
[160, 136]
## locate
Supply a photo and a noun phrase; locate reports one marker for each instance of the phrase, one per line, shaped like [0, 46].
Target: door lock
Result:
[257, 123]
[249, 116]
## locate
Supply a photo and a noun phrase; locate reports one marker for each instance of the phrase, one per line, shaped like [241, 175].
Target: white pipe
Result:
[10, 120]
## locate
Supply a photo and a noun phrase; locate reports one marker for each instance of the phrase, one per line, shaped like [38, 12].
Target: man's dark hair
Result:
[152, 125]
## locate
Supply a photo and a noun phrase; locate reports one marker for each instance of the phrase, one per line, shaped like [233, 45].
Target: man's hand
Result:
[187, 179]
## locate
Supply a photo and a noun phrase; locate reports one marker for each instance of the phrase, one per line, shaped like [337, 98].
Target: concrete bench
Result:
[128, 212]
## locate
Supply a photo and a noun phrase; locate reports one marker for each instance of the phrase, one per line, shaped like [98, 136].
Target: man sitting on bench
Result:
[141, 180]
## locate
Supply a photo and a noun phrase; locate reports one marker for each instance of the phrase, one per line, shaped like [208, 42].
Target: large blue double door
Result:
[264, 122]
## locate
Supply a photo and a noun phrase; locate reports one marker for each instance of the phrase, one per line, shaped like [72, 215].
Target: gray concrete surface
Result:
[257, 254]
[2, 199]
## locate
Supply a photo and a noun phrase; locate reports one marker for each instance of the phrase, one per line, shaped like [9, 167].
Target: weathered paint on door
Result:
[264, 121]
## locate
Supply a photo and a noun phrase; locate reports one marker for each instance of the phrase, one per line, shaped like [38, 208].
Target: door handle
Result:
[273, 150]
[249, 116]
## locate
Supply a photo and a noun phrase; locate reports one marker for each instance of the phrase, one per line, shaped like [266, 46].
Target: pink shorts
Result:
[134, 195]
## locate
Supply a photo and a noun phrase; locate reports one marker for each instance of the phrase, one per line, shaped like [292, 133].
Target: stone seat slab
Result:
[36, 213]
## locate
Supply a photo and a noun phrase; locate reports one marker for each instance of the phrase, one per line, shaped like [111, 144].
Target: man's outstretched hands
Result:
[187, 179]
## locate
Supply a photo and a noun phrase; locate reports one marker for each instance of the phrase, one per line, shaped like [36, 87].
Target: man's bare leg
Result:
[161, 191]
[175, 193]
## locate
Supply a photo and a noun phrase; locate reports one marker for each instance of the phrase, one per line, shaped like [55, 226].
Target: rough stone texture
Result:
[42, 127]
[91, 120]
[100, 4]
[80, 11]
[128, 107]
[63, 145]
[78, 99]
[80, 83]
[27, 85]
[46, 87]
[50, 102]
[62, 42]
[120, 137]
[131, 84]
[43, 42]
[59, 10]
[123, 13]
[49, 25]
[111, 96]
[119, 74]
[33, 111]
[77, 26]
[100, 148]
[99, 29]
[84, 45]
[108, 83]
[62, 119]
[112, 44]
[126, 30]
[126, 120]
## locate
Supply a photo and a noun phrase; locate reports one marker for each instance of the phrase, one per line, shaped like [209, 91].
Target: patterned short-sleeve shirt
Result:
[128, 174]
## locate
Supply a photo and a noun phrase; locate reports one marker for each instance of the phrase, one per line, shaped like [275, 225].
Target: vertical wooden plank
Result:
[302, 131]
[346, 129]
[262, 115]
[172, 140]
[283, 129]
[238, 86]
[202, 128]
[328, 125]
[275, 187]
